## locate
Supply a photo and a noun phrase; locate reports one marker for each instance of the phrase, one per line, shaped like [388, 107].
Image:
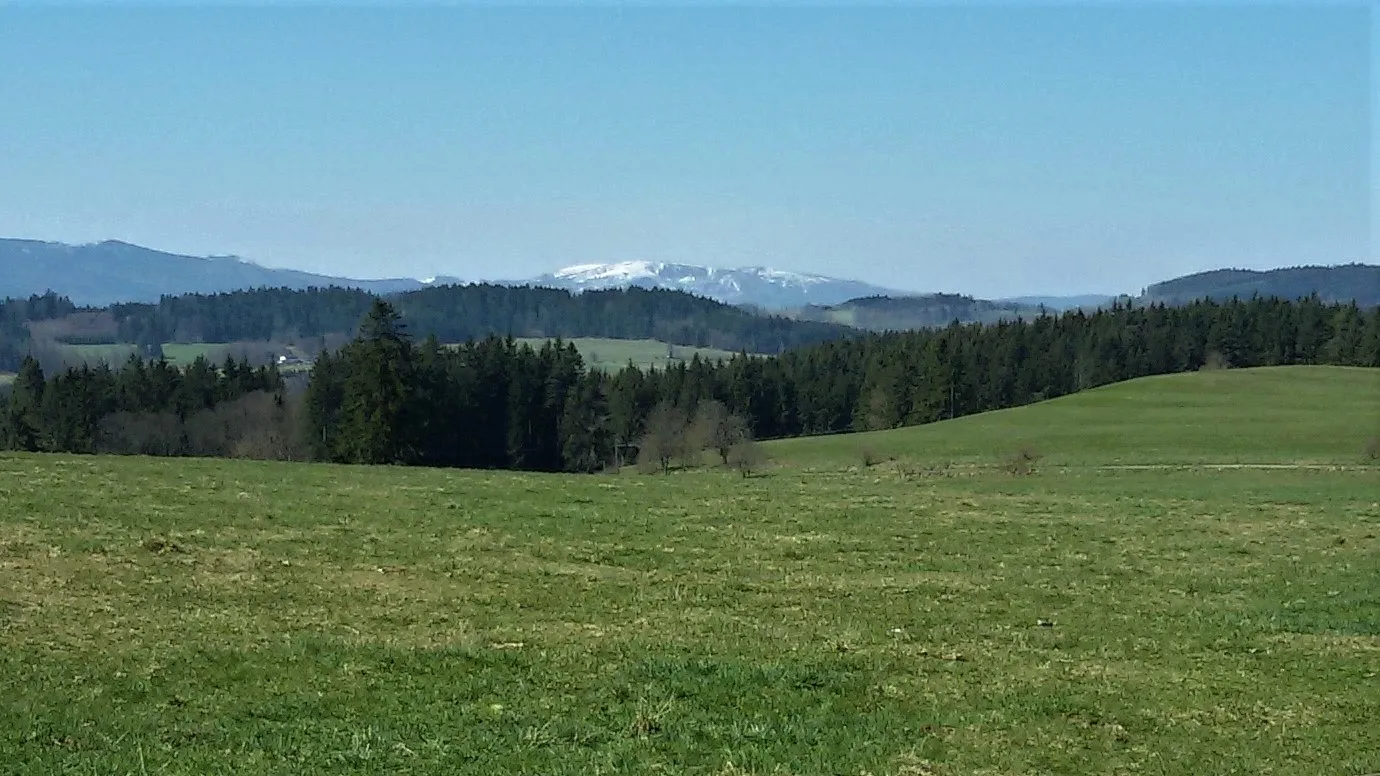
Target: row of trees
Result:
[491, 403]
[141, 408]
[889, 380]
[15, 317]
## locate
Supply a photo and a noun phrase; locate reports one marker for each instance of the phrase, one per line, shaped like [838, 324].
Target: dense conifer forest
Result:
[388, 397]
[450, 313]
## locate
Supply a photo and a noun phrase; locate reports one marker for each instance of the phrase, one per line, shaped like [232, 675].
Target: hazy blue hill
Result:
[112, 271]
[1344, 283]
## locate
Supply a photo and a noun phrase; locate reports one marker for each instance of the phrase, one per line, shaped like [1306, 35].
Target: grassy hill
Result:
[1273, 414]
[232, 616]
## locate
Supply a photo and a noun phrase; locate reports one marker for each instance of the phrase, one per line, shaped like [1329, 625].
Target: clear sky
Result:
[993, 150]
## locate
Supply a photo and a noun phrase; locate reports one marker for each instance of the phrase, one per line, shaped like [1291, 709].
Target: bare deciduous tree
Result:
[715, 428]
[141, 433]
[746, 456]
[257, 425]
[664, 440]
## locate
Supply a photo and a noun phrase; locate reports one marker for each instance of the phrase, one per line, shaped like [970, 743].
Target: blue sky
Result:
[992, 149]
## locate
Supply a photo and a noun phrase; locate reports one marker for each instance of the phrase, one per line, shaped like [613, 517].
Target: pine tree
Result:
[586, 441]
[323, 405]
[379, 419]
[25, 407]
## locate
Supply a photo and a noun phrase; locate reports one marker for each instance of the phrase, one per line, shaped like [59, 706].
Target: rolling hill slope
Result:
[1310, 414]
[320, 619]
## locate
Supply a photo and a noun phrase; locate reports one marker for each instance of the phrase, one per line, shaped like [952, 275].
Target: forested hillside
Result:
[385, 398]
[16, 316]
[885, 313]
[325, 318]
[1351, 282]
[318, 319]
[459, 313]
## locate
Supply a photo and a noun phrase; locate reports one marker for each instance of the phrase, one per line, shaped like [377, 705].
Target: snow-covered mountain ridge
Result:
[761, 286]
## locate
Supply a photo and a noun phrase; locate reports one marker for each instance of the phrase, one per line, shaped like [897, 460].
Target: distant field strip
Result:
[613, 354]
[1226, 466]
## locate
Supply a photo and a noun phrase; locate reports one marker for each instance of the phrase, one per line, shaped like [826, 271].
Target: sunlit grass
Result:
[214, 616]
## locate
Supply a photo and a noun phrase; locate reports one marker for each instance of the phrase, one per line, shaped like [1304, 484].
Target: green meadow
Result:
[614, 354]
[177, 354]
[939, 612]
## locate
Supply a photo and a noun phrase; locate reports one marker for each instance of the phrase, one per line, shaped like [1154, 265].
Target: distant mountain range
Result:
[753, 286]
[113, 271]
[103, 273]
[108, 272]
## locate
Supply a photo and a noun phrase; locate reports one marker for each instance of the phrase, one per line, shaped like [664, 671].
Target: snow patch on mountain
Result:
[619, 272]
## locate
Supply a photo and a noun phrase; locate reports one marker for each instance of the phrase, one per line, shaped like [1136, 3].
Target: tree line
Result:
[150, 409]
[323, 319]
[491, 403]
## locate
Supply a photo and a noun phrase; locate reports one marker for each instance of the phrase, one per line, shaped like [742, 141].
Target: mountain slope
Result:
[112, 271]
[758, 286]
[1343, 283]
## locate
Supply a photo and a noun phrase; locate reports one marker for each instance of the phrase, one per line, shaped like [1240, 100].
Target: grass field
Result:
[112, 354]
[614, 354]
[177, 354]
[236, 617]
[181, 353]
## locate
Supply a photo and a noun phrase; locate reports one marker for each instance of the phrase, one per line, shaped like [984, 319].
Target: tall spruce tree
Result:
[25, 407]
[379, 414]
[586, 441]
